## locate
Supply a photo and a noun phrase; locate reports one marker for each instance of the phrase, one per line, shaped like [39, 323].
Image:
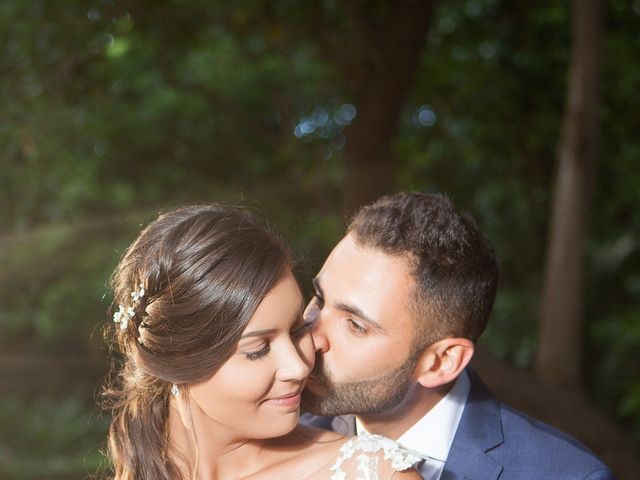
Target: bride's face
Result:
[256, 393]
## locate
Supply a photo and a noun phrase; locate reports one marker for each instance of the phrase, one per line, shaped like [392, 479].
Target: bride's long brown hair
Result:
[204, 270]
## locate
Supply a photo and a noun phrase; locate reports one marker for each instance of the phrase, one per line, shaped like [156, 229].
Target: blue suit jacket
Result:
[495, 441]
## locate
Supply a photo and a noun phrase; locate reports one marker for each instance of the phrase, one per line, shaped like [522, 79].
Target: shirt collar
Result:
[433, 434]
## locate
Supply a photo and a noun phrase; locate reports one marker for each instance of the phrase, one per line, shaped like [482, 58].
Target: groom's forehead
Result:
[351, 258]
[367, 278]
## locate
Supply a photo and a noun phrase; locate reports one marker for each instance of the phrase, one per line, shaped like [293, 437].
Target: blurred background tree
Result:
[114, 110]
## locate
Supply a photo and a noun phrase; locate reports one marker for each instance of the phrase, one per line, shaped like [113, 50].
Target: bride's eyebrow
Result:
[259, 333]
[269, 331]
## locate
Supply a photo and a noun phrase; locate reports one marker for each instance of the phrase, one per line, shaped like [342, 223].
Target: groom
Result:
[398, 306]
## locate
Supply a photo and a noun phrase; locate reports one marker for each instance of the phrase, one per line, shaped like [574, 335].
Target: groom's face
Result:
[363, 332]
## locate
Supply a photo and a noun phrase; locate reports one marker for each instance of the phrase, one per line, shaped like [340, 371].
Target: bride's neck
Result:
[216, 452]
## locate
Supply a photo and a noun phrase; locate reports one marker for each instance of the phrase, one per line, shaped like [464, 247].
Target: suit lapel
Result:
[344, 425]
[479, 431]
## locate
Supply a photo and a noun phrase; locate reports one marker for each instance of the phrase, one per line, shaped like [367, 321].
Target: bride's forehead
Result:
[282, 306]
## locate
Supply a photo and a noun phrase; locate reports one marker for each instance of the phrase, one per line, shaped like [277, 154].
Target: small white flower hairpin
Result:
[123, 314]
[138, 295]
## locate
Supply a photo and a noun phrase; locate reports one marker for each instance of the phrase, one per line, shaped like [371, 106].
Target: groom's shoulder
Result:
[546, 447]
[524, 442]
[519, 426]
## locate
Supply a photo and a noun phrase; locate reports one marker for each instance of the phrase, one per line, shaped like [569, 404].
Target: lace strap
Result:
[399, 457]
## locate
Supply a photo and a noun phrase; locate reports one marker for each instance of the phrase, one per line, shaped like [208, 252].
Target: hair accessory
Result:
[138, 295]
[140, 328]
[175, 390]
[123, 314]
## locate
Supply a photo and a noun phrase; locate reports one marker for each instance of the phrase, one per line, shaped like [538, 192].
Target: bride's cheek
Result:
[258, 379]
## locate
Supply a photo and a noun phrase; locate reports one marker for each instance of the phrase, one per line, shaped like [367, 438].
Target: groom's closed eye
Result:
[360, 321]
[356, 328]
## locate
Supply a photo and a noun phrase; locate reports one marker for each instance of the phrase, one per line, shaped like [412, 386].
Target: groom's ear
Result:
[443, 361]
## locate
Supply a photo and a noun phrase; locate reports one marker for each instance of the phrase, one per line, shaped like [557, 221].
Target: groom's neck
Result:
[415, 405]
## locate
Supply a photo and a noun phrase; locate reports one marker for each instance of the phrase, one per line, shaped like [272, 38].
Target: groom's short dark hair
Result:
[454, 266]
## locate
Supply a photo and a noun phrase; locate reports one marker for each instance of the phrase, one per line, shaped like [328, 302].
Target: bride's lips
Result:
[288, 400]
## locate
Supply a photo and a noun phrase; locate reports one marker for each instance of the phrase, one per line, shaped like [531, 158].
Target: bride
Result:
[212, 355]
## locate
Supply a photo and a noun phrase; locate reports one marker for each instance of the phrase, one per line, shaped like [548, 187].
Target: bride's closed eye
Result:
[257, 354]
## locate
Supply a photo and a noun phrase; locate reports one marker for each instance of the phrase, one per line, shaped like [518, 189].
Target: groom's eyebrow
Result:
[355, 311]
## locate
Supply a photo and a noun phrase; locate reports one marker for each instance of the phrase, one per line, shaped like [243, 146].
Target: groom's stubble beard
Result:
[326, 397]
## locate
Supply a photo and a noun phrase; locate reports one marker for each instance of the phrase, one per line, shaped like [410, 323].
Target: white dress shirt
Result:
[433, 434]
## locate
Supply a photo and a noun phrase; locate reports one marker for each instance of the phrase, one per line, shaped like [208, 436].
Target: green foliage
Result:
[53, 285]
[112, 111]
[67, 435]
[112, 108]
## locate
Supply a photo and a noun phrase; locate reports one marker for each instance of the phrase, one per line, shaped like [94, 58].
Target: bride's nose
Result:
[293, 366]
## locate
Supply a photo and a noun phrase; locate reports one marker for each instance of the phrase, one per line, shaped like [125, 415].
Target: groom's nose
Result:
[319, 335]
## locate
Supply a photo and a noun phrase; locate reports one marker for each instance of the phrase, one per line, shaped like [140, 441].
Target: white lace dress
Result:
[366, 448]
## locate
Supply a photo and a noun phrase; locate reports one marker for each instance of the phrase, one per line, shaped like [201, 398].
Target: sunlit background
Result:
[111, 111]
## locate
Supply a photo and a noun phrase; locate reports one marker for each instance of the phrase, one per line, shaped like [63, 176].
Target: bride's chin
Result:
[282, 426]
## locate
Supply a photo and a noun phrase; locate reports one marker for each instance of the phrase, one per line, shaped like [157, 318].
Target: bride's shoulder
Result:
[306, 435]
[337, 457]
[306, 441]
[375, 454]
